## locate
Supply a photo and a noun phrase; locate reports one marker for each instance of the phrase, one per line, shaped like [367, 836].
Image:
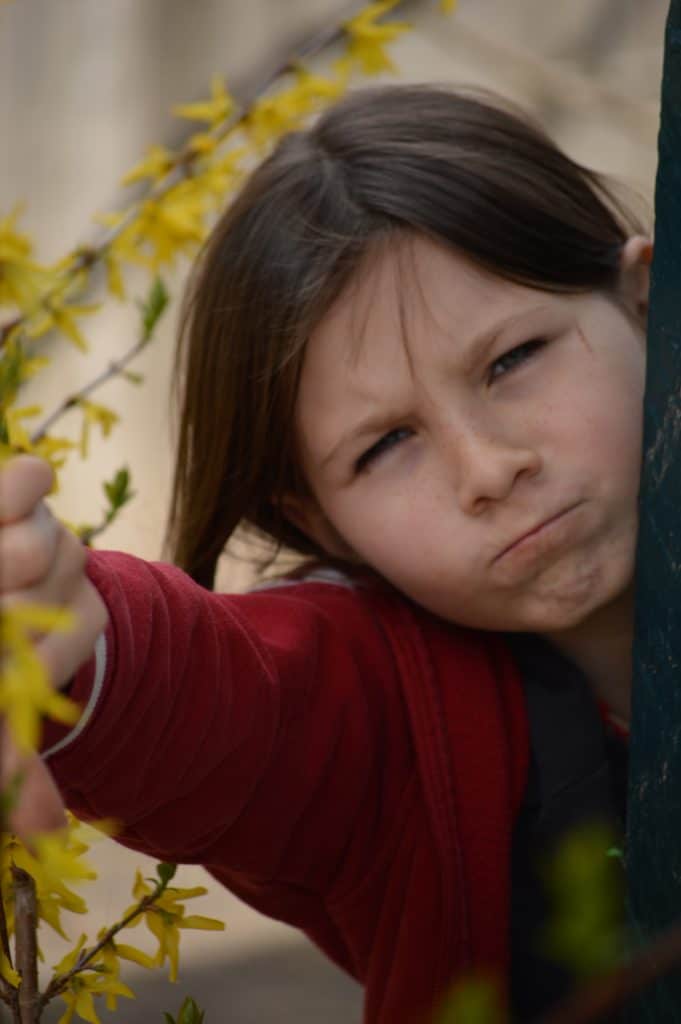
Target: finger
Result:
[56, 586]
[38, 806]
[28, 549]
[24, 480]
[64, 653]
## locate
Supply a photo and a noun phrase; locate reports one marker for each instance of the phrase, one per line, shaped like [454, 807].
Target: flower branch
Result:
[26, 946]
[61, 982]
[152, 311]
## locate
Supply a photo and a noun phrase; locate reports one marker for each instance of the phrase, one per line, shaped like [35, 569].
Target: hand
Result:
[39, 807]
[42, 563]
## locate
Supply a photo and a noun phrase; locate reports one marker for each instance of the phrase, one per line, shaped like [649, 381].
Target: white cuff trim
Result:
[97, 685]
[320, 575]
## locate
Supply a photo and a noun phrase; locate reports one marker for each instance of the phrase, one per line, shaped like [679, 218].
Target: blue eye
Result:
[389, 440]
[515, 357]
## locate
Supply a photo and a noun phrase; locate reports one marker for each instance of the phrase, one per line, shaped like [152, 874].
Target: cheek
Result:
[602, 424]
[410, 541]
[381, 531]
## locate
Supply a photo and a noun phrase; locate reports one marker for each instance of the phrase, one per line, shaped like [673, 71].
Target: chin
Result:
[573, 608]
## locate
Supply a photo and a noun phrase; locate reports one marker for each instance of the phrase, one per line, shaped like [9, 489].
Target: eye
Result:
[389, 440]
[515, 357]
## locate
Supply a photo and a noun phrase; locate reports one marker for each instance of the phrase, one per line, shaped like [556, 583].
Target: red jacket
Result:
[338, 758]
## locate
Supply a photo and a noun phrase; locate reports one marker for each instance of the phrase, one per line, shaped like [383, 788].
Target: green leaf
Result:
[133, 378]
[153, 308]
[190, 1013]
[169, 1019]
[166, 871]
[118, 490]
[473, 1000]
[586, 931]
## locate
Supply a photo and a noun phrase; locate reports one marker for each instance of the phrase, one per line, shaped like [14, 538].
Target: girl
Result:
[414, 353]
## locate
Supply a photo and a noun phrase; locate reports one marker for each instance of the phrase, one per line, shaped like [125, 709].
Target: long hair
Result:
[456, 166]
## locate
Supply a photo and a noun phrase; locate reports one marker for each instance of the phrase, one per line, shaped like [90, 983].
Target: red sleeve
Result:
[264, 733]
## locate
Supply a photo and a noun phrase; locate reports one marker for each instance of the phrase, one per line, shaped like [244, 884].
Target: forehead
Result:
[412, 303]
[408, 287]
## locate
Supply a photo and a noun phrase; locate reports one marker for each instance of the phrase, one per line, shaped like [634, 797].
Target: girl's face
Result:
[474, 441]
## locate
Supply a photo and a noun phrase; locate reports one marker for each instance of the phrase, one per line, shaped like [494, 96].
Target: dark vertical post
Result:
[654, 840]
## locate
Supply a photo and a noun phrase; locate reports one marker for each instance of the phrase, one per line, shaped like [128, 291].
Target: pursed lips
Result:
[533, 530]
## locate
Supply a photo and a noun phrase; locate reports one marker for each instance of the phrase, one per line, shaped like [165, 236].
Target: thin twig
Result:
[60, 983]
[26, 946]
[183, 160]
[4, 931]
[609, 993]
[8, 993]
[113, 370]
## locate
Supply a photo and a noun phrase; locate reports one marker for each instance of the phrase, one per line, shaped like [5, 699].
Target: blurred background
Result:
[85, 87]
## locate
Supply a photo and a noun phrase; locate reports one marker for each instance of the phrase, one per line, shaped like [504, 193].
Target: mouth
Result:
[542, 526]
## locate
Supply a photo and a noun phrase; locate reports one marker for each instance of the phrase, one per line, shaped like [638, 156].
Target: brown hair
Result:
[456, 166]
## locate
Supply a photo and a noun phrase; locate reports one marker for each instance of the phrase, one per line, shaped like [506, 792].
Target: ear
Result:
[307, 516]
[635, 259]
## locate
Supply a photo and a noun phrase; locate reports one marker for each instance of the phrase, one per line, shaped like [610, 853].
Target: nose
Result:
[488, 468]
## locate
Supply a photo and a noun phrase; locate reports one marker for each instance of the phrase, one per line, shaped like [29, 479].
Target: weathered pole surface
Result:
[654, 829]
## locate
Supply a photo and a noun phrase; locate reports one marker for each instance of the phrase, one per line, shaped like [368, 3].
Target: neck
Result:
[601, 647]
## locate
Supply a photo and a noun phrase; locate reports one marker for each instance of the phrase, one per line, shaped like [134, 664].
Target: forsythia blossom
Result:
[53, 860]
[25, 690]
[166, 915]
[214, 111]
[367, 39]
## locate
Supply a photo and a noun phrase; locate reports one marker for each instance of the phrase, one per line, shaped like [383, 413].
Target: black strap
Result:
[570, 783]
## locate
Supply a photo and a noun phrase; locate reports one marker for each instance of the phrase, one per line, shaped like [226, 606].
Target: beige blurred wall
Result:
[85, 86]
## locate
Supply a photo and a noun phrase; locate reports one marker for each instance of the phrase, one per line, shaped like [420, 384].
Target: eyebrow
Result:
[479, 345]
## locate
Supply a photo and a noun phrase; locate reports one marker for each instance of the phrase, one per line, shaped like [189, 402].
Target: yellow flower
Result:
[214, 111]
[22, 281]
[313, 89]
[273, 115]
[53, 860]
[218, 176]
[17, 435]
[57, 315]
[155, 165]
[13, 246]
[70, 959]
[60, 859]
[83, 987]
[367, 40]
[165, 226]
[134, 955]
[114, 274]
[50, 908]
[97, 415]
[16, 368]
[448, 6]
[202, 143]
[164, 918]
[19, 439]
[25, 690]
[8, 972]
[107, 962]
